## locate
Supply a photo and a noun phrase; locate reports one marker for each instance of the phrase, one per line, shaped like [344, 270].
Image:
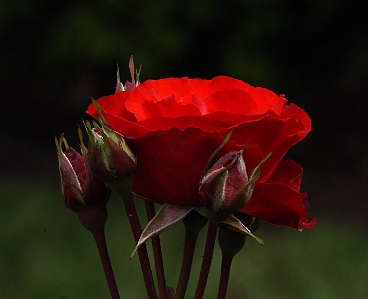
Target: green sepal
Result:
[100, 142]
[235, 225]
[119, 86]
[228, 221]
[137, 74]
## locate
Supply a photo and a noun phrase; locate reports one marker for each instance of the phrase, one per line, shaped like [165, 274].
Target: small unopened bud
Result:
[222, 186]
[81, 191]
[110, 157]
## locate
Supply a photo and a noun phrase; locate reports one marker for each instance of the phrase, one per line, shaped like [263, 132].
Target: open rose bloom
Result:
[174, 125]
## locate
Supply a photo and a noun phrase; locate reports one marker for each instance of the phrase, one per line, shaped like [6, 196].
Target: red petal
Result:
[170, 164]
[170, 108]
[231, 100]
[271, 134]
[116, 115]
[125, 127]
[265, 99]
[143, 98]
[287, 173]
[185, 122]
[270, 101]
[294, 112]
[114, 105]
[279, 204]
[233, 118]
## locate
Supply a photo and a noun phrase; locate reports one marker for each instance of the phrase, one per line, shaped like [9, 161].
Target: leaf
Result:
[234, 224]
[167, 216]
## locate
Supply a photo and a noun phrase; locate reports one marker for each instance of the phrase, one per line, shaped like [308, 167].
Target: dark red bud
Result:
[221, 188]
[79, 188]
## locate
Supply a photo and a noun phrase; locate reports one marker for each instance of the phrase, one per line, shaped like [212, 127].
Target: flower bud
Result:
[223, 187]
[109, 156]
[80, 189]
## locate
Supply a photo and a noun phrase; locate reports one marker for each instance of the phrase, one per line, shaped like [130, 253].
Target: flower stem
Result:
[193, 223]
[142, 250]
[225, 274]
[207, 259]
[230, 243]
[157, 253]
[186, 266]
[99, 236]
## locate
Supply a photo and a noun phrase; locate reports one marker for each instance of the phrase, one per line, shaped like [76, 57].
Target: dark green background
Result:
[56, 55]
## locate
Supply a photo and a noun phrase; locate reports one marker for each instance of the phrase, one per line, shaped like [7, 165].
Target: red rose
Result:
[174, 125]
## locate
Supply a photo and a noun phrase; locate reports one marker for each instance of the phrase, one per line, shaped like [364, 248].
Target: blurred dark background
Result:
[56, 55]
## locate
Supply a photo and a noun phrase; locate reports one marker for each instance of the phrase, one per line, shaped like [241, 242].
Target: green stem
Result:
[142, 250]
[207, 259]
[157, 253]
[99, 236]
[225, 274]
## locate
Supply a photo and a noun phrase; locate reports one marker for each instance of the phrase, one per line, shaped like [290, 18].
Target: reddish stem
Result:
[157, 253]
[142, 250]
[207, 259]
[225, 274]
[186, 266]
[100, 240]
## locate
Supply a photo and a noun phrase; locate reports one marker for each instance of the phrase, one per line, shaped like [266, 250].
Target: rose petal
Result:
[185, 122]
[265, 99]
[233, 118]
[170, 164]
[142, 100]
[287, 173]
[125, 127]
[270, 101]
[279, 204]
[231, 100]
[294, 112]
[170, 108]
[271, 134]
[114, 105]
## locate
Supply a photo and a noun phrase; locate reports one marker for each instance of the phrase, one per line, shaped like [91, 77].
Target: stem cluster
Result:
[230, 243]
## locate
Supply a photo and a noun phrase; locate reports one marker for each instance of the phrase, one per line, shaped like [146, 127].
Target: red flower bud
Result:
[80, 189]
[221, 188]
